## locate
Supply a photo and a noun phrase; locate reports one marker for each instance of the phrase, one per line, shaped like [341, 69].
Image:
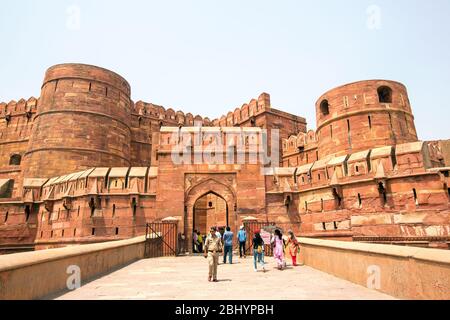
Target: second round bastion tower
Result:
[83, 121]
[364, 115]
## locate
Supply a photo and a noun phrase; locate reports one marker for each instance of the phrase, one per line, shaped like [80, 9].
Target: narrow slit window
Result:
[93, 231]
[390, 122]
[349, 134]
[134, 207]
[370, 122]
[359, 200]
[382, 191]
[92, 205]
[415, 196]
[117, 231]
[324, 226]
[27, 213]
[406, 123]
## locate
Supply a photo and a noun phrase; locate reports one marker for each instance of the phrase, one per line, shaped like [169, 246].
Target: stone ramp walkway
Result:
[185, 278]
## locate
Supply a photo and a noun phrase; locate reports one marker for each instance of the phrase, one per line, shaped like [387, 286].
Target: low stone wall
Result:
[402, 272]
[35, 275]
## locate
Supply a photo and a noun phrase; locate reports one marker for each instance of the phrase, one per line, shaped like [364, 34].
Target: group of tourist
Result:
[216, 243]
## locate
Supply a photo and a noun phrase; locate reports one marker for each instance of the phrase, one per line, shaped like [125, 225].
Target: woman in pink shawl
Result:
[278, 249]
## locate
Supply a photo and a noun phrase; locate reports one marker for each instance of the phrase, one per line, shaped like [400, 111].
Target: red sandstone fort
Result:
[84, 163]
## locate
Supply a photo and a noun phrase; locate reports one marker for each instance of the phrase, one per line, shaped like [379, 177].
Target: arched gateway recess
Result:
[210, 210]
[198, 197]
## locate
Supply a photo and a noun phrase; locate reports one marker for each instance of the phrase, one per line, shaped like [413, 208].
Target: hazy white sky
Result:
[208, 57]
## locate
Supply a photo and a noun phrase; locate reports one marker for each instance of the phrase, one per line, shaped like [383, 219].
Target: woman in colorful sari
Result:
[293, 247]
[278, 249]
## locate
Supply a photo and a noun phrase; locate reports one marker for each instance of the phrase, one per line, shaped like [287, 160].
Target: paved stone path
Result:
[186, 278]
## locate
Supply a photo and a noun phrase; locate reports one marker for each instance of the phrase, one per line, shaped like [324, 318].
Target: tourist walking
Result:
[218, 234]
[242, 239]
[228, 245]
[181, 243]
[195, 241]
[278, 249]
[213, 247]
[258, 251]
[293, 247]
[200, 242]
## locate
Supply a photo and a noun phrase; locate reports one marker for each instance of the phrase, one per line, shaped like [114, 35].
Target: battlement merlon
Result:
[15, 108]
[167, 116]
[252, 109]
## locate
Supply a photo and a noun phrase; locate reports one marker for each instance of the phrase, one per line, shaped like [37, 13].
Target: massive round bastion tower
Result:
[364, 115]
[83, 121]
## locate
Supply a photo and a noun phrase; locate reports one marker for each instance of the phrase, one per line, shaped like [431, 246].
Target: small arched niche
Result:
[385, 94]
[324, 108]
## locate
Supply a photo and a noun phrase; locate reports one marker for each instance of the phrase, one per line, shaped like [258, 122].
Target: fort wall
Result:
[84, 163]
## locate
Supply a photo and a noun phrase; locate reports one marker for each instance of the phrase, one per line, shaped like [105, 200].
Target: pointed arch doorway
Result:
[210, 210]
[209, 203]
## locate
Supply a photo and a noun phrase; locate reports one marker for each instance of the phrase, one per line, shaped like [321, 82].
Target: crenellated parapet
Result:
[245, 113]
[21, 108]
[299, 143]
[16, 123]
[167, 117]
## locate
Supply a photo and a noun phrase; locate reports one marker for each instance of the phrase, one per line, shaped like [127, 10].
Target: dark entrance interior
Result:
[210, 210]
